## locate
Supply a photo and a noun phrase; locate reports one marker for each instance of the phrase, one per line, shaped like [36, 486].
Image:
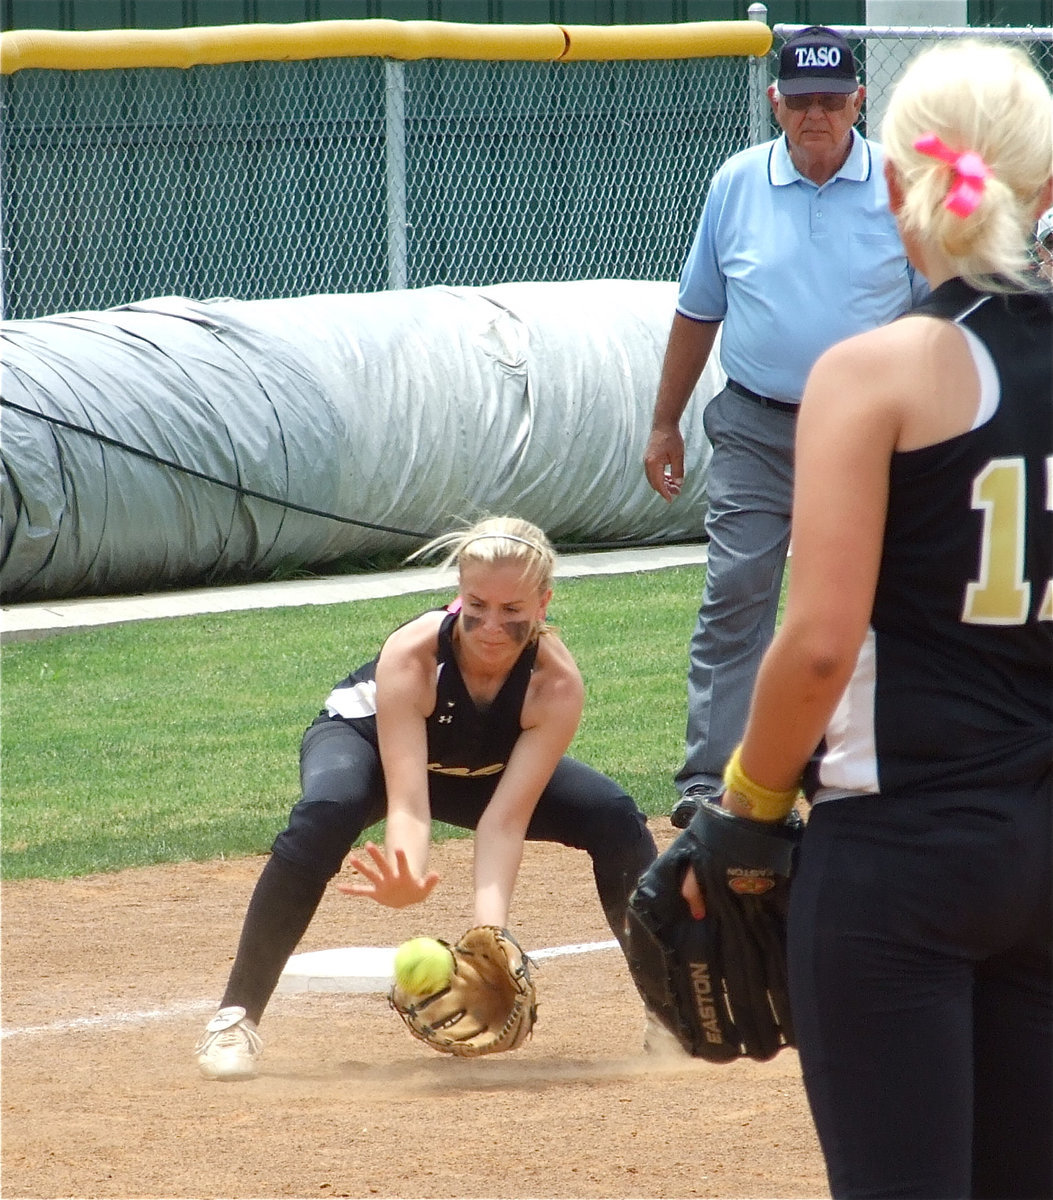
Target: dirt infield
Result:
[108, 980]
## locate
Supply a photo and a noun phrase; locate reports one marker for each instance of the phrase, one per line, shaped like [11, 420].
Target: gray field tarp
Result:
[409, 410]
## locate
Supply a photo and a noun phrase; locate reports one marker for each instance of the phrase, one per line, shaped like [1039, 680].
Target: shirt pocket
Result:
[877, 262]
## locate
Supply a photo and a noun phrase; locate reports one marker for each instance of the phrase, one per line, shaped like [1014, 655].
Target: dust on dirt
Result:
[107, 982]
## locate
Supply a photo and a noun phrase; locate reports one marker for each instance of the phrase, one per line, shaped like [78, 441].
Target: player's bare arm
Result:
[551, 714]
[847, 430]
[861, 404]
[398, 876]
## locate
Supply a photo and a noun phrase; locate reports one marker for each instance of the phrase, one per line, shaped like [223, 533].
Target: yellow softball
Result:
[423, 966]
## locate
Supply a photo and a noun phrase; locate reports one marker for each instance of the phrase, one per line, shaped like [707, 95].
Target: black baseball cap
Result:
[816, 60]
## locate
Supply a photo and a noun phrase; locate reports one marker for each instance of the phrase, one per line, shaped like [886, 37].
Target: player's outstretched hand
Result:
[392, 884]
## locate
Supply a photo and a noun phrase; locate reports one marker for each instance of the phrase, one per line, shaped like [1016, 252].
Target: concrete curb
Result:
[20, 622]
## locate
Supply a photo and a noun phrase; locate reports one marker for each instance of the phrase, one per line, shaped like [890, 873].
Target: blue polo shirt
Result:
[792, 268]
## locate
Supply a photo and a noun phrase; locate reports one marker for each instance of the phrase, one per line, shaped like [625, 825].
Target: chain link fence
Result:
[257, 180]
[275, 179]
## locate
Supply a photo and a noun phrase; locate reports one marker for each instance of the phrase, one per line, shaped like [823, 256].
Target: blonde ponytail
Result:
[985, 103]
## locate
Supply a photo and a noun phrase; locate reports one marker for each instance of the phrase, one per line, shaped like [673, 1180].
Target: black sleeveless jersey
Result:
[464, 740]
[953, 686]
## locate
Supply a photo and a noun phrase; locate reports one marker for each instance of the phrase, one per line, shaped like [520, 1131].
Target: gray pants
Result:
[750, 490]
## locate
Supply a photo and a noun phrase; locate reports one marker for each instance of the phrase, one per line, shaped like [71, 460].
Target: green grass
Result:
[177, 740]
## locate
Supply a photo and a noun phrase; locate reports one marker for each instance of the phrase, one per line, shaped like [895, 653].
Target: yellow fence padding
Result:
[696, 39]
[110, 49]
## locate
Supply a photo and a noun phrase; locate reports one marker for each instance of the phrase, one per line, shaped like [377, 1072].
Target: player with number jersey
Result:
[465, 716]
[953, 685]
[917, 653]
[910, 685]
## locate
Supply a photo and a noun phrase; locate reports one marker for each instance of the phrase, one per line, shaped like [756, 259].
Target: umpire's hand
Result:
[664, 462]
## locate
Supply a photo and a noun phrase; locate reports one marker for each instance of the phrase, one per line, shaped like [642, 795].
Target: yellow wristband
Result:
[763, 803]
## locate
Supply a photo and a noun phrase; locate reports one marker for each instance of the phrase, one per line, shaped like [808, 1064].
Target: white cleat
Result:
[231, 1046]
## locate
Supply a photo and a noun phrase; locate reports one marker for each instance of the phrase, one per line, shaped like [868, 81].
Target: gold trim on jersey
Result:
[467, 772]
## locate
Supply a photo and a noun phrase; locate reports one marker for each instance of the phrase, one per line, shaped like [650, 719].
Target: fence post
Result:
[4, 248]
[395, 169]
[760, 125]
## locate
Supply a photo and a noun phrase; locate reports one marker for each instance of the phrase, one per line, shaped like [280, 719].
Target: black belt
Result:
[763, 401]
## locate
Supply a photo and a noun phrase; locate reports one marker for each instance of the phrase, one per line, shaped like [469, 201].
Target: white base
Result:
[370, 968]
[350, 969]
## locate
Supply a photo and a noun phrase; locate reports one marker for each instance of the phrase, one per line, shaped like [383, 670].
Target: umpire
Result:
[796, 249]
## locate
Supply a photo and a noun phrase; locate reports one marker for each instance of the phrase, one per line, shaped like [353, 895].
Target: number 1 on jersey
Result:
[1001, 595]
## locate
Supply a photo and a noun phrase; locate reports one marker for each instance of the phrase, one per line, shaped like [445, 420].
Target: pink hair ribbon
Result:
[969, 168]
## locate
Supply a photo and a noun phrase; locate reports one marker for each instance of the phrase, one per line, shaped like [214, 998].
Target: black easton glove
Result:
[718, 984]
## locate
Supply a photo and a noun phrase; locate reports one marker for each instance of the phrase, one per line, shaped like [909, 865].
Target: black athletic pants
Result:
[921, 975]
[343, 794]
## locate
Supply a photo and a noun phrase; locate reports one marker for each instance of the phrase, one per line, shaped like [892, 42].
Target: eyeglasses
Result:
[827, 101]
